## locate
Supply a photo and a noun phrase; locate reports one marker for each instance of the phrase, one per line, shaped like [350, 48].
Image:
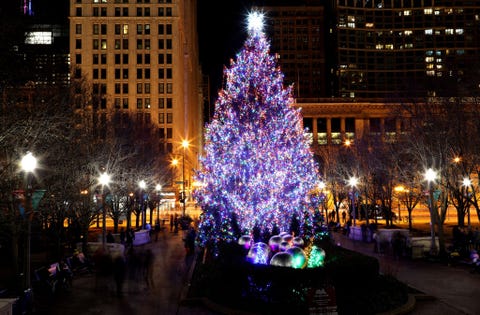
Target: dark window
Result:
[308, 124]
[350, 124]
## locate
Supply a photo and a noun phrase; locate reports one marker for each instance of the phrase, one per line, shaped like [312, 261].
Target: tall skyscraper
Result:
[298, 33]
[141, 58]
[406, 48]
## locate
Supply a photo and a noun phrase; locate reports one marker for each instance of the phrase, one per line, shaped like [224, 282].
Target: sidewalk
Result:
[169, 276]
[446, 290]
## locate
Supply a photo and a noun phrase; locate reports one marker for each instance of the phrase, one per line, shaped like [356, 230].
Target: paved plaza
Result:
[444, 290]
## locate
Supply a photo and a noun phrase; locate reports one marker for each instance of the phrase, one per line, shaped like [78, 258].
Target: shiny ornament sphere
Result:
[245, 241]
[259, 253]
[274, 242]
[298, 241]
[282, 259]
[299, 259]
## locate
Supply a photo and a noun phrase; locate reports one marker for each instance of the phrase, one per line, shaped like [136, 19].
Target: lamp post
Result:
[430, 176]
[352, 182]
[466, 183]
[142, 184]
[104, 180]
[184, 195]
[28, 165]
[158, 188]
[399, 189]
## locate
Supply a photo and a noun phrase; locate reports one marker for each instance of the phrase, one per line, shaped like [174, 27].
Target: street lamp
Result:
[467, 183]
[430, 176]
[352, 182]
[142, 184]
[28, 165]
[158, 188]
[399, 189]
[184, 195]
[104, 180]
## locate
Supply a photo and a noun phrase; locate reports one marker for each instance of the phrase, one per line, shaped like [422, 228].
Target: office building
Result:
[141, 57]
[407, 48]
[298, 31]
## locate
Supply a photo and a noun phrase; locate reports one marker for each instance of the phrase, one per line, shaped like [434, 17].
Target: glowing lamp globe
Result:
[299, 259]
[275, 242]
[282, 259]
[245, 241]
[298, 241]
[259, 254]
[316, 257]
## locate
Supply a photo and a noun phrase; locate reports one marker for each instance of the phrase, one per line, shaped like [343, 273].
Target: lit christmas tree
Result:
[258, 169]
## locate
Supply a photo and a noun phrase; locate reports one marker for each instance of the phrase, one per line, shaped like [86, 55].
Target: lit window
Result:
[459, 31]
[449, 31]
[408, 33]
[125, 29]
[38, 38]
[429, 32]
[428, 11]
[407, 12]
[430, 73]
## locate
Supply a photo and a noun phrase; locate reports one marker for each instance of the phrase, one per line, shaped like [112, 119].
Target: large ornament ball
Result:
[282, 259]
[282, 234]
[316, 258]
[275, 242]
[298, 241]
[284, 246]
[245, 241]
[287, 238]
[299, 259]
[259, 254]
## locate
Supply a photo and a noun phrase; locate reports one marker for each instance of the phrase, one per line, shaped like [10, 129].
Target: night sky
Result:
[222, 32]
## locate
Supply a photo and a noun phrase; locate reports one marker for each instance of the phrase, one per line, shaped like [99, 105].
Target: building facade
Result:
[141, 58]
[298, 33]
[403, 48]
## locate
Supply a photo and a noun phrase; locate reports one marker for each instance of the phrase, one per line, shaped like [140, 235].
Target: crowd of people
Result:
[131, 270]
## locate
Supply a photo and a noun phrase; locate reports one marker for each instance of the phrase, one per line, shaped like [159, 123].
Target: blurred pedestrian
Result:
[157, 229]
[149, 260]
[119, 271]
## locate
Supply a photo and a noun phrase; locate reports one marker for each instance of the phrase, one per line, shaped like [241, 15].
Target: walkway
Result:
[447, 290]
[170, 277]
